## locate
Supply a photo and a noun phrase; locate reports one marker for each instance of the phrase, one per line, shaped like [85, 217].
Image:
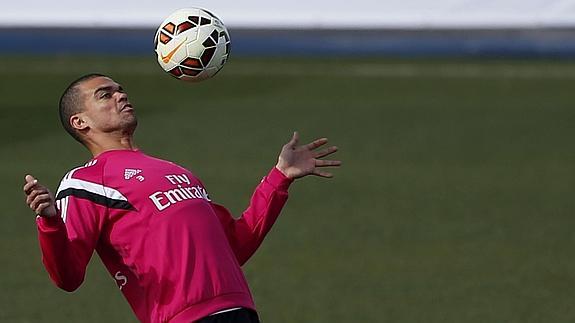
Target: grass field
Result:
[455, 202]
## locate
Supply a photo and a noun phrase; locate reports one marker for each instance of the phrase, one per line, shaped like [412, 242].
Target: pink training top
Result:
[174, 254]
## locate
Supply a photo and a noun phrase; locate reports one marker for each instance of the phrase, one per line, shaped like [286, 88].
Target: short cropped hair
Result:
[71, 103]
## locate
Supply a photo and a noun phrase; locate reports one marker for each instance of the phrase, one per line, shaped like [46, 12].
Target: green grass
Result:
[455, 202]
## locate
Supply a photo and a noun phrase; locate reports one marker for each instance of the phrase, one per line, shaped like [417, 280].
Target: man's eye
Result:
[106, 95]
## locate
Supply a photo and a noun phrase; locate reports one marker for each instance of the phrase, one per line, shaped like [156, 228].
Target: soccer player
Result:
[174, 253]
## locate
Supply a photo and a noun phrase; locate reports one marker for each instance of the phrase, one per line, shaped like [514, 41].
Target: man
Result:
[174, 254]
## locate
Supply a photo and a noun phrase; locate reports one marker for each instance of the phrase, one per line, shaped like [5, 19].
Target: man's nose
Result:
[121, 96]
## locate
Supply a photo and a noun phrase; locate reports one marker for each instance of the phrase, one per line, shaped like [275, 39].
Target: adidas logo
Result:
[130, 172]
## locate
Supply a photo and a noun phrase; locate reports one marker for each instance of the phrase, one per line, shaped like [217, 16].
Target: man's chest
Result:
[162, 194]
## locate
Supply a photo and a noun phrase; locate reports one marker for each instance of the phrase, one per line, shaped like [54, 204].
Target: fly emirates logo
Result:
[183, 192]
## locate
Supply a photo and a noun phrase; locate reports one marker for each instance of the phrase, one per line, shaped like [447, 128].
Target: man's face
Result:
[106, 107]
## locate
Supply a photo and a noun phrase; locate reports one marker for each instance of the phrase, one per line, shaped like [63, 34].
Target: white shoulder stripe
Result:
[99, 189]
[88, 164]
[91, 163]
[64, 212]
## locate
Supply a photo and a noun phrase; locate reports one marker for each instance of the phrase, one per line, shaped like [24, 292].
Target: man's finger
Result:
[294, 140]
[35, 192]
[40, 199]
[30, 183]
[324, 163]
[322, 174]
[325, 152]
[41, 207]
[33, 195]
[316, 143]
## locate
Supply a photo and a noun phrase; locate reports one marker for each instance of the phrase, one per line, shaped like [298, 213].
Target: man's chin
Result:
[131, 124]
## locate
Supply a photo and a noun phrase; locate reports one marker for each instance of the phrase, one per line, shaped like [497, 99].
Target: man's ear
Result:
[78, 122]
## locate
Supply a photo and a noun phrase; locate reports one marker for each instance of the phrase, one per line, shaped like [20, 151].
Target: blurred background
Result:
[454, 119]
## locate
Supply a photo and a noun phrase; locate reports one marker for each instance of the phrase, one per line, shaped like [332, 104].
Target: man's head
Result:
[94, 105]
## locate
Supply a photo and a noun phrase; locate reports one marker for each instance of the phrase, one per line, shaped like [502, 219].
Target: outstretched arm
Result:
[247, 233]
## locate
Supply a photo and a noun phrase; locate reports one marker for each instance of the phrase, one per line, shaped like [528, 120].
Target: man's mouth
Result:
[127, 107]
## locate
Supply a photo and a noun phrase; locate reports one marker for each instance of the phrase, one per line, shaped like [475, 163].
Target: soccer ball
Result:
[192, 44]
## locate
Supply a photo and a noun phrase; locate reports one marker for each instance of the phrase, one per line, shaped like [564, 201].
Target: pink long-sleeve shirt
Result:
[174, 254]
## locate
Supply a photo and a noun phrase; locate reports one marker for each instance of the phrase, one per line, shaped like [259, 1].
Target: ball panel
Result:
[205, 21]
[185, 26]
[191, 63]
[209, 42]
[218, 56]
[164, 39]
[207, 55]
[191, 71]
[169, 27]
[177, 72]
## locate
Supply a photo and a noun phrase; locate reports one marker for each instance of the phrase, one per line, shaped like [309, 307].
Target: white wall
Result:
[298, 13]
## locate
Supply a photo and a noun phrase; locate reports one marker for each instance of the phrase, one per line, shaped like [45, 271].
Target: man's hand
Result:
[39, 198]
[299, 161]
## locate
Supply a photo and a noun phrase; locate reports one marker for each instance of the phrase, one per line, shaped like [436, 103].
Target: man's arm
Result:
[66, 247]
[247, 233]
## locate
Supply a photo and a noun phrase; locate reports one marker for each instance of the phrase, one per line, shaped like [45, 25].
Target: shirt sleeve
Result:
[68, 241]
[246, 233]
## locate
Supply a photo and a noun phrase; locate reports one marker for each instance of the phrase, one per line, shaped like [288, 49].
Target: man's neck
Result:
[123, 143]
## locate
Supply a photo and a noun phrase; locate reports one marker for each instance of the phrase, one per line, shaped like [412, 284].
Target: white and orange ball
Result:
[192, 44]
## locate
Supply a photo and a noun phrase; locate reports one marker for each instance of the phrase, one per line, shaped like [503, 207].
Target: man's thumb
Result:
[294, 140]
[30, 178]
